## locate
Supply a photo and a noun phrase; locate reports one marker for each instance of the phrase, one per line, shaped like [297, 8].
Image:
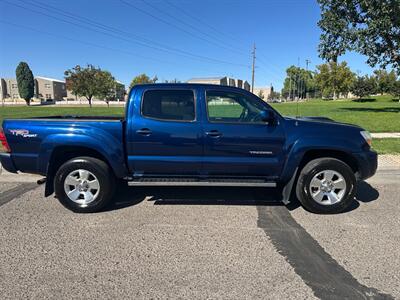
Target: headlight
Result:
[367, 136]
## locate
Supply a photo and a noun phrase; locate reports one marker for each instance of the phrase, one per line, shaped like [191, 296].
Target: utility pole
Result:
[307, 62]
[253, 66]
[298, 79]
[297, 87]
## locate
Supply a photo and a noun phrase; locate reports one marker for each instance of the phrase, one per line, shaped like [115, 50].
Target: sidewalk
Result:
[386, 135]
[389, 161]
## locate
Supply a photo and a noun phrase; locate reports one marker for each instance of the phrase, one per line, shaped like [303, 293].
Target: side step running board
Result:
[183, 182]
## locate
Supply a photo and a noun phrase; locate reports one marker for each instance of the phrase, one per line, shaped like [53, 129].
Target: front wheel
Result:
[84, 184]
[326, 185]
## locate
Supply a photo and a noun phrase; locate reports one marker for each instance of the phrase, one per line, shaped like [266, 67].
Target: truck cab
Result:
[192, 134]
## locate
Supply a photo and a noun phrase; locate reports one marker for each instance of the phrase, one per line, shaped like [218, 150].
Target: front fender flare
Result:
[301, 146]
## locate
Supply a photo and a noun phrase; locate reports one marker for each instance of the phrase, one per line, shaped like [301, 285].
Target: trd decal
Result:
[22, 132]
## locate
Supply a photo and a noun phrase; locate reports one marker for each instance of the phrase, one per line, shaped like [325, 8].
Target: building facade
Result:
[222, 81]
[9, 88]
[45, 89]
[50, 88]
[262, 92]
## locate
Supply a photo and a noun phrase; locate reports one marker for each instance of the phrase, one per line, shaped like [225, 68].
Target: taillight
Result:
[3, 141]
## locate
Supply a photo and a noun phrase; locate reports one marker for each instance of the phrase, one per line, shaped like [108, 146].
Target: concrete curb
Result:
[386, 135]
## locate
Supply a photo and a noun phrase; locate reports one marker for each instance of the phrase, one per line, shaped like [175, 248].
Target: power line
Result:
[218, 43]
[270, 65]
[169, 49]
[116, 33]
[167, 22]
[147, 42]
[130, 53]
[85, 42]
[200, 21]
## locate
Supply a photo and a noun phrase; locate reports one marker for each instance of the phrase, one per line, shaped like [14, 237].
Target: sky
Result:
[173, 39]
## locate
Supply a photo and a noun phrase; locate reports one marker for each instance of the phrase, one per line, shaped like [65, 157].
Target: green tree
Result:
[142, 79]
[274, 95]
[396, 89]
[298, 83]
[364, 86]
[334, 79]
[25, 82]
[90, 82]
[385, 80]
[369, 27]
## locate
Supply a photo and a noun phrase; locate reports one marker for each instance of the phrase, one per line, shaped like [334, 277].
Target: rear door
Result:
[165, 135]
[237, 142]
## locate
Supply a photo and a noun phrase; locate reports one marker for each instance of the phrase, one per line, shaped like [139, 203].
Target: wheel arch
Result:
[292, 170]
[61, 154]
[341, 155]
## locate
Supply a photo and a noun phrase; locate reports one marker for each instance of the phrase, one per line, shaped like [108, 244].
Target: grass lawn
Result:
[386, 146]
[12, 112]
[381, 114]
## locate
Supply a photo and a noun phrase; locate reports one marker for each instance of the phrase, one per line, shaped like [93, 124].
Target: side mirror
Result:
[267, 116]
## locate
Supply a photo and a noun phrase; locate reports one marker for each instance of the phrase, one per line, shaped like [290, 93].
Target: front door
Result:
[237, 142]
[165, 136]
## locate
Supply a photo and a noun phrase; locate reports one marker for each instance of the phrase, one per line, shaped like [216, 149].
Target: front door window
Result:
[226, 107]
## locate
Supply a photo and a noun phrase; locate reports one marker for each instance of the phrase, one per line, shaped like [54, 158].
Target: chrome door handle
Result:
[214, 133]
[144, 131]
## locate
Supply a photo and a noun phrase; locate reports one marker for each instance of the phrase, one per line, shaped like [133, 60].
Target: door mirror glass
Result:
[267, 116]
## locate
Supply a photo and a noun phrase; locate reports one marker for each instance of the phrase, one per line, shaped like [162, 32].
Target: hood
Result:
[319, 120]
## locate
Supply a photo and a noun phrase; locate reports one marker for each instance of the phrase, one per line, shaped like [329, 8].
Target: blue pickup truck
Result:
[191, 134]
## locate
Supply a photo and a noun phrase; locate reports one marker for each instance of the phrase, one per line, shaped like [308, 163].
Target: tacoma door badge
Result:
[260, 152]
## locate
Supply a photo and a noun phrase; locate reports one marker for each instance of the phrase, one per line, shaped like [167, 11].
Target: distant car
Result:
[276, 100]
[191, 135]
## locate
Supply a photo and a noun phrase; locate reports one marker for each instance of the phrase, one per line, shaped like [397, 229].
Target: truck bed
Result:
[33, 140]
[80, 118]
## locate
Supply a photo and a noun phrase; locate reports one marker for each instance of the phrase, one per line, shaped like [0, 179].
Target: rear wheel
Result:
[326, 185]
[84, 184]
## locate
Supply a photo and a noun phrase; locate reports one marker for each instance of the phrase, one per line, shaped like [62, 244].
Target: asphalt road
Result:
[199, 243]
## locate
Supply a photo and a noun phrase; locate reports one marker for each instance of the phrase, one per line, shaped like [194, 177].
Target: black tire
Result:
[303, 189]
[102, 173]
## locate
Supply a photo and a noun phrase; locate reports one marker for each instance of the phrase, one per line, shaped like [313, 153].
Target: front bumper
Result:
[7, 162]
[367, 162]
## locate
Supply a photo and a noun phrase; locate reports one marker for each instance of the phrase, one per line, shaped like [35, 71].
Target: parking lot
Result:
[199, 243]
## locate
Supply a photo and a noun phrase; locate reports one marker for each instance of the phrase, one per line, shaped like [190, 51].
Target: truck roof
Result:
[189, 85]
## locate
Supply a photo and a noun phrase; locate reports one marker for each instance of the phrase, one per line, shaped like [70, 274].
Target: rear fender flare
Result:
[107, 146]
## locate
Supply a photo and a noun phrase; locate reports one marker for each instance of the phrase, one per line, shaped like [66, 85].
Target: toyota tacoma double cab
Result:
[192, 135]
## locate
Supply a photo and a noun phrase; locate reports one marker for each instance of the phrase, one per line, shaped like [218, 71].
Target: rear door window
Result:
[169, 105]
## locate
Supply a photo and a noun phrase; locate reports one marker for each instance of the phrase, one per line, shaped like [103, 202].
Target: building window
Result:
[169, 105]
[14, 85]
[15, 96]
[47, 85]
[48, 96]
